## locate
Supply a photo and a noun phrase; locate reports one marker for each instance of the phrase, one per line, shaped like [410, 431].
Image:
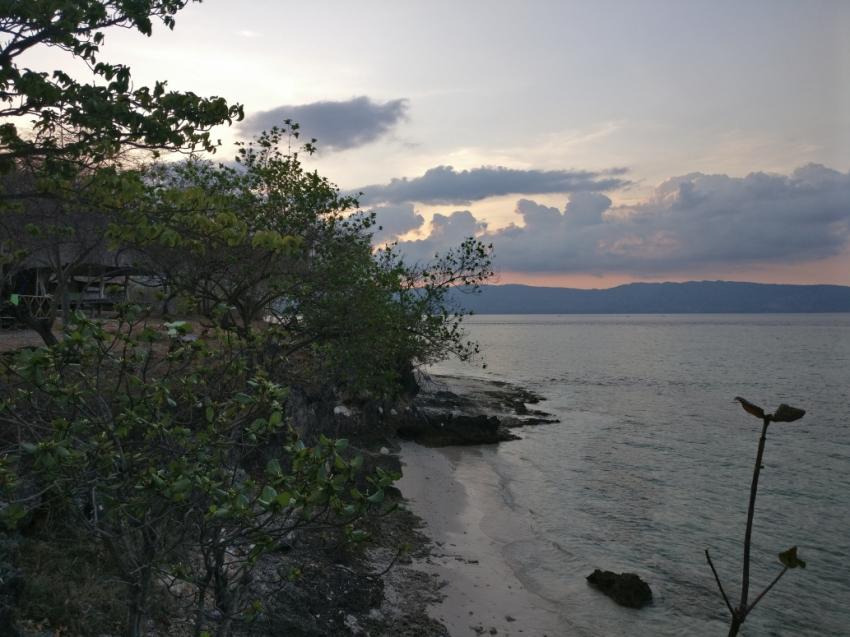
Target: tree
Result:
[396, 317]
[170, 452]
[61, 139]
[235, 240]
[59, 236]
[75, 122]
[268, 243]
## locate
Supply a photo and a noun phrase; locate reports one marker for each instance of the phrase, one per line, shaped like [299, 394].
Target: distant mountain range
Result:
[694, 297]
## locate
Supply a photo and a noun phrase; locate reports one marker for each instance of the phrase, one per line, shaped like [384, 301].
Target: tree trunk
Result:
[42, 327]
[135, 623]
[140, 588]
[201, 605]
[138, 604]
[233, 603]
[734, 627]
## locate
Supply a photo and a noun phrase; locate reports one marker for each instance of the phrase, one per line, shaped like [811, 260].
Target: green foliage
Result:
[163, 448]
[236, 240]
[270, 242]
[61, 138]
[149, 443]
[74, 121]
[64, 229]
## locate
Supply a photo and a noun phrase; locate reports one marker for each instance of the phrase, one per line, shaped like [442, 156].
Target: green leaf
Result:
[789, 559]
[273, 468]
[181, 485]
[377, 497]
[285, 499]
[12, 514]
[268, 495]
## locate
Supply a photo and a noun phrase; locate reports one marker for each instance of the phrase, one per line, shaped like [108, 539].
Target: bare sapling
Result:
[788, 559]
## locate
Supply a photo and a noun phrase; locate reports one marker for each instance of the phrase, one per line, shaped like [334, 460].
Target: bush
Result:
[149, 443]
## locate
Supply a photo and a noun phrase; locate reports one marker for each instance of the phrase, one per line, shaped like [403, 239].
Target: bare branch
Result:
[764, 592]
[719, 585]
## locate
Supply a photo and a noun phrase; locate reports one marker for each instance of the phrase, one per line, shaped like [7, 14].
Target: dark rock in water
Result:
[456, 430]
[627, 589]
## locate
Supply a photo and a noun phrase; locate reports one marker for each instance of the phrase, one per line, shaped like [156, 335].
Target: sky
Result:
[592, 143]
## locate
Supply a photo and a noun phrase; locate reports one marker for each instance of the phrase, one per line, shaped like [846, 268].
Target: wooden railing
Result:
[37, 306]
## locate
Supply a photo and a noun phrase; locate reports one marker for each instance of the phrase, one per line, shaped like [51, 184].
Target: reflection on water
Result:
[652, 461]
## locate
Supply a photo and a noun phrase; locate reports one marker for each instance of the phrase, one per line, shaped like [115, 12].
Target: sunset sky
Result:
[592, 143]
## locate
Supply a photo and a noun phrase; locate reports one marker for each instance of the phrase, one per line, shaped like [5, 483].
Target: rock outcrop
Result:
[627, 589]
[449, 429]
[451, 410]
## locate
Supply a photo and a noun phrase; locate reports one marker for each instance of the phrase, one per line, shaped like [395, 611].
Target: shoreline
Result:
[456, 494]
[465, 510]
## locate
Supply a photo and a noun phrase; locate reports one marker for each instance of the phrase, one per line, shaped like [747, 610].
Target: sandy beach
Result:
[456, 492]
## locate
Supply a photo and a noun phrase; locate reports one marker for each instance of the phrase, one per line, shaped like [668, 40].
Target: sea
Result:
[652, 460]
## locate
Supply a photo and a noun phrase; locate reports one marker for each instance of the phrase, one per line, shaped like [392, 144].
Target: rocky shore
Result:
[394, 586]
[447, 482]
[453, 411]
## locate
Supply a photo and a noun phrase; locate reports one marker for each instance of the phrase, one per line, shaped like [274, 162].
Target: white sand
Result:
[456, 492]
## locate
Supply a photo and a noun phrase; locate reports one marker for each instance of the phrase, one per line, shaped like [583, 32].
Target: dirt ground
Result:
[12, 339]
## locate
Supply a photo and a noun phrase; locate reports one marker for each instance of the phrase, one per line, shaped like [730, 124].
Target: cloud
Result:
[394, 221]
[444, 185]
[336, 125]
[447, 231]
[688, 223]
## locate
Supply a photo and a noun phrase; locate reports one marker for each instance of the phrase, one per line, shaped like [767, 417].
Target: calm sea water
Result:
[652, 463]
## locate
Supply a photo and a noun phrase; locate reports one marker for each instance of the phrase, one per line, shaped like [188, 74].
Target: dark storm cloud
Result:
[688, 223]
[336, 125]
[444, 185]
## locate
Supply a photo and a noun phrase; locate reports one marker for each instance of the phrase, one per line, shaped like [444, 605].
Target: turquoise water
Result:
[652, 463]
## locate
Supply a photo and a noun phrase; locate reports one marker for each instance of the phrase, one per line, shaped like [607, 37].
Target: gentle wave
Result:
[652, 461]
